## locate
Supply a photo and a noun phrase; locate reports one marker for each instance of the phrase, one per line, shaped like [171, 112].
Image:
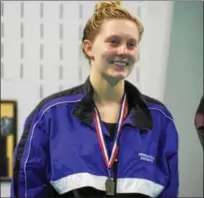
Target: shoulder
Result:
[162, 117]
[66, 97]
[157, 106]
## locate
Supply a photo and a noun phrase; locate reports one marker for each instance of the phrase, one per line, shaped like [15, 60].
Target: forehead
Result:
[119, 27]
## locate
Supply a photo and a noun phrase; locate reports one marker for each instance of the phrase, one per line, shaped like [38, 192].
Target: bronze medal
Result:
[110, 187]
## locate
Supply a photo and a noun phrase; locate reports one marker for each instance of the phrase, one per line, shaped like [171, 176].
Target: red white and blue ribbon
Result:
[110, 161]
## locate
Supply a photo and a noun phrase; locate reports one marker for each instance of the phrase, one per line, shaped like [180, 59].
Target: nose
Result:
[123, 50]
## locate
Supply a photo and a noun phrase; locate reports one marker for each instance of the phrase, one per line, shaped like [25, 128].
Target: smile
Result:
[119, 63]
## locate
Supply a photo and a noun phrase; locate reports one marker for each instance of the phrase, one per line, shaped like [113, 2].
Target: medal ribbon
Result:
[109, 162]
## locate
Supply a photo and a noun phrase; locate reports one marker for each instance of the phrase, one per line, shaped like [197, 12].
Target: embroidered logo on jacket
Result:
[146, 157]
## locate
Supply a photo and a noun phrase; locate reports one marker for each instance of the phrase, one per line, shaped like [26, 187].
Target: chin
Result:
[120, 77]
[117, 77]
[116, 74]
[120, 74]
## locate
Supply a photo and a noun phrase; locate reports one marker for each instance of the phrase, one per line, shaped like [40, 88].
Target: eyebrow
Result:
[115, 35]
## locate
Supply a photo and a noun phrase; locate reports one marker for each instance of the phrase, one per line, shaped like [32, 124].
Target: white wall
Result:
[40, 50]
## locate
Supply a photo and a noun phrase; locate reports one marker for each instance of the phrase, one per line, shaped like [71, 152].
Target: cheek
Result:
[133, 53]
[109, 52]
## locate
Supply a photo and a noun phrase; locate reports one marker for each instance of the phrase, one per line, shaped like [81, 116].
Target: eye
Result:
[114, 41]
[132, 44]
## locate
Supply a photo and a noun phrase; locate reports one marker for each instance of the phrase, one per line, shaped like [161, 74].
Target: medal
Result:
[110, 184]
[110, 187]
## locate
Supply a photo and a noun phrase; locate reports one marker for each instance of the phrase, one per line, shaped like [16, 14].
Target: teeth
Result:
[120, 63]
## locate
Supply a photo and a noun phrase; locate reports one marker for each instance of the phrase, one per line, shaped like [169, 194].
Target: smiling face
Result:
[115, 49]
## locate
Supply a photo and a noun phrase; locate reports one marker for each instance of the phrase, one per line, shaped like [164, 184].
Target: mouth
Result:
[120, 63]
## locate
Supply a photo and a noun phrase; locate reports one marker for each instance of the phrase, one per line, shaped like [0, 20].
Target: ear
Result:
[87, 47]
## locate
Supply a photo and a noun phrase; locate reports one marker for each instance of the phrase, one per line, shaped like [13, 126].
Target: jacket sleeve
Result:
[31, 161]
[171, 154]
[199, 121]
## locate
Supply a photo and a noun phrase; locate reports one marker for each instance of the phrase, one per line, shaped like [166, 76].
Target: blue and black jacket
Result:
[59, 155]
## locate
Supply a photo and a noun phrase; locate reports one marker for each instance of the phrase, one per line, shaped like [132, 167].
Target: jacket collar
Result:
[140, 115]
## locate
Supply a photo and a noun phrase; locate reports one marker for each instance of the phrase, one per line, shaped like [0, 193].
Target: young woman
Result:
[103, 138]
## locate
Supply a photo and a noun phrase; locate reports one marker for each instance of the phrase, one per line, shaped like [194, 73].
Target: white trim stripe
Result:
[127, 185]
[32, 134]
[162, 113]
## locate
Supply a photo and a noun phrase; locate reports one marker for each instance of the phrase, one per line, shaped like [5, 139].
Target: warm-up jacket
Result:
[59, 155]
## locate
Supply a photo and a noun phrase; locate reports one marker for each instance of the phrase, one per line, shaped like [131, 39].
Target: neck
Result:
[106, 90]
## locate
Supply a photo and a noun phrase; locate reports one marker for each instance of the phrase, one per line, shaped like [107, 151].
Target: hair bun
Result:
[106, 4]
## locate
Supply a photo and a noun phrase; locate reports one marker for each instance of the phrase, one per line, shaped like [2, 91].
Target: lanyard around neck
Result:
[110, 161]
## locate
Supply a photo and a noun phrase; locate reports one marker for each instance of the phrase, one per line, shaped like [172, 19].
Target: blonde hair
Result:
[105, 11]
